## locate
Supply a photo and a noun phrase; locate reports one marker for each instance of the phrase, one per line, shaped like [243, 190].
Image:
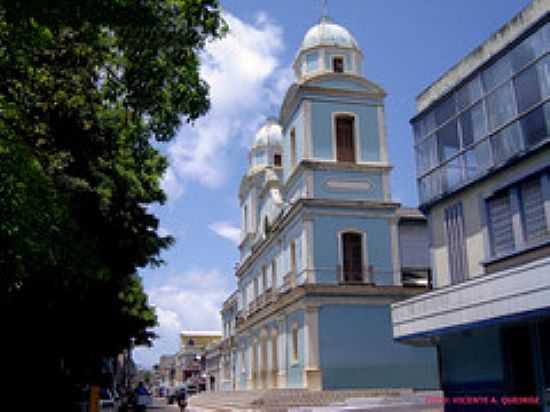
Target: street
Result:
[160, 405]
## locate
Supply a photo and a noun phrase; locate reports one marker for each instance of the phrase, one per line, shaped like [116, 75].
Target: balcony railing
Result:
[361, 275]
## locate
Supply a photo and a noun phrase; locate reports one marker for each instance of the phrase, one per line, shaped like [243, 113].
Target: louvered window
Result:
[534, 218]
[456, 243]
[345, 142]
[501, 225]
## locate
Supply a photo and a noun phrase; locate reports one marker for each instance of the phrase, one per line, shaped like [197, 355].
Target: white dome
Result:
[270, 134]
[328, 33]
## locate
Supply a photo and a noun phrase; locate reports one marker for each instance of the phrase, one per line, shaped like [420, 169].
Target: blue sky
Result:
[407, 44]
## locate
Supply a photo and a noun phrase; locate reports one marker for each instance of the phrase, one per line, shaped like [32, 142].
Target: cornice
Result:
[335, 165]
[293, 94]
[280, 224]
[315, 295]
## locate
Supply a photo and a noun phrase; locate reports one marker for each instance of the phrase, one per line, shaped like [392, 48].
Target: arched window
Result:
[352, 257]
[267, 226]
[292, 148]
[294, 350]
[345, 138]
[277, 160]
[338, 65]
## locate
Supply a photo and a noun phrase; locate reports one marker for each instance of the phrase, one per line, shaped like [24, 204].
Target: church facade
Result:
[324, 249]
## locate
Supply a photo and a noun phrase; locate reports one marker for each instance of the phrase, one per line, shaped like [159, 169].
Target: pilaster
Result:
[282, 355]
[396, 259]
[312, 371]
[308, 141]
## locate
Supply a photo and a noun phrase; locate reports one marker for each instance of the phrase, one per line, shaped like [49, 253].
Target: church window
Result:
[264, 278]
[293, 257]
[294, 343]
[274, 274]
[352, 257]
[256, 288]
[338, 65]
[345, 139]
[277, 160]
[245, 219]
[267, 226]
[293, 148]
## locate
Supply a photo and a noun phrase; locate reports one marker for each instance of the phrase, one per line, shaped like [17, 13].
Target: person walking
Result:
[142, 397]
[182, 399]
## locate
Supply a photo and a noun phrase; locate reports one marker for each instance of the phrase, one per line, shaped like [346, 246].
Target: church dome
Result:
[328, 33]
[270, 134]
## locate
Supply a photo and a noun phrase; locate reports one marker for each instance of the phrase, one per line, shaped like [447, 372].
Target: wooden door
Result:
[353, 257]
[345, 142]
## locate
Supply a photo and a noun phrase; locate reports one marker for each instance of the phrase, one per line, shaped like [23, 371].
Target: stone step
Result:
[288, 398]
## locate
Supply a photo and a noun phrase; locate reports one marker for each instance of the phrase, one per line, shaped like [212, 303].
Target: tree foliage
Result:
[86, 89]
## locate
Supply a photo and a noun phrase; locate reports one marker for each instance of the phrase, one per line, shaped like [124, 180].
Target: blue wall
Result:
[472, 356]
[295, 374]
[374, 178]
[322, 129]
[357, 350]
[325, 232]
[297, 123]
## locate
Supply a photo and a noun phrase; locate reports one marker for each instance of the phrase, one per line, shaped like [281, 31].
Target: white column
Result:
[396, 259]
[382, 135]
[307, 252]
[308, 141]
[282, 348]
[312, 371]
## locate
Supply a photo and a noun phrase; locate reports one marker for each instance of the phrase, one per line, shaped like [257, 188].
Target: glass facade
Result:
[500, 112]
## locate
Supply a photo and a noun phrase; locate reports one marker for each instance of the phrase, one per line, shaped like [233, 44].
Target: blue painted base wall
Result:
[357, 350]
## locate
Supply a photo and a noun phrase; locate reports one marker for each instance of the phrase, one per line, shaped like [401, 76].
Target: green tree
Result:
[87, 88]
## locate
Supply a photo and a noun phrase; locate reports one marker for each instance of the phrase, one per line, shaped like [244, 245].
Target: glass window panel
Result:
[478, 159]
[500, 223]
[497, 73]
[534, 127]
[473, 124]
[418, 130]
[527, 89]
[546, 36]
[448, 143]
[533, 214]
[527, 51]
[469, 93]
[506, 143]
[543, 67]
[501, 106]
[312, 62]
[428, 123]
[453, 173]
[426, 155]
[430, 186]
[445, 110]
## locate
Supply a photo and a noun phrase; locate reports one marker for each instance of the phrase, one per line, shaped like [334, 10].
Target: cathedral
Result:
[324, 250]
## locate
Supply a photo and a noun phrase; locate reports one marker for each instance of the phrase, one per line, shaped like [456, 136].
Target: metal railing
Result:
[361, 275]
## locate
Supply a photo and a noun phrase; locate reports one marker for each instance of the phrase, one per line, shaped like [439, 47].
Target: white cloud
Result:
[170, 184]
[247, 84]
[227, 231]
[191, 301]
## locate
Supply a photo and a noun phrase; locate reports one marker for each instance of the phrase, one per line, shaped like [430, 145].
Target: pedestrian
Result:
[182, 399]
[142, 396]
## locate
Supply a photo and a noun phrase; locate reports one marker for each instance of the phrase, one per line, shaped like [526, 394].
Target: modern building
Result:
[324, 249]
[483, 165]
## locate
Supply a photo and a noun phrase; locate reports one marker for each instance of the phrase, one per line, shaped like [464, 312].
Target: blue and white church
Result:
[324, 249]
